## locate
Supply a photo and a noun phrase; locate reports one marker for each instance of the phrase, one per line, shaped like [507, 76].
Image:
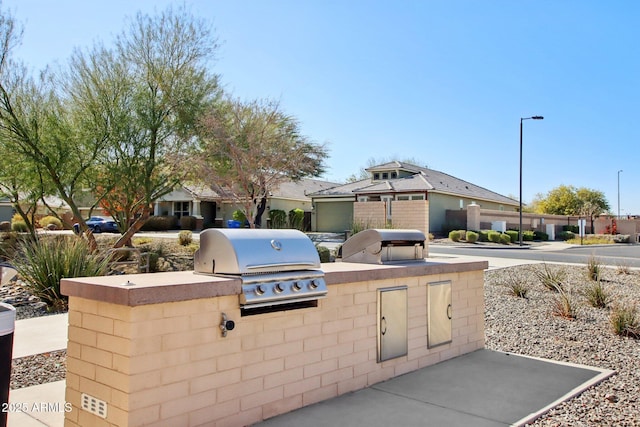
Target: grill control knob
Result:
[260, 289]
[296, 286]
[313, 284]
[279, 287]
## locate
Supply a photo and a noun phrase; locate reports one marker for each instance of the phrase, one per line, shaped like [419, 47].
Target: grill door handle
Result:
[449, 311]
[383, 325]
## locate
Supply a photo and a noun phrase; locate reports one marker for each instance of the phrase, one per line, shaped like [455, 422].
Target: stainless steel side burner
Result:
[276, 266]
[383, 246]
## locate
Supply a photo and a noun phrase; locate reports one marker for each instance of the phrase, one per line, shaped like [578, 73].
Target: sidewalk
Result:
[40, 405]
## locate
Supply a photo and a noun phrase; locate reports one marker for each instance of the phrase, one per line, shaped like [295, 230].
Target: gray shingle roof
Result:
[422, 180]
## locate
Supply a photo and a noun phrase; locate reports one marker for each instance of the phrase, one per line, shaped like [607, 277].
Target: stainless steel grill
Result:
[276, 266]
[383, 246]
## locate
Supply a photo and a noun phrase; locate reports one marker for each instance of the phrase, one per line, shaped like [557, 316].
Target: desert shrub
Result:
[324, 253]
[539, 235]
[513, 235]
[18, 224]
[505, 239]
[185, 238]
[565, 304]
[296, 219]
[515, 284]
[550, 277]
[471, 237]
[596, 295]
[591, 239]
[622, 267]
[47, 220]
[527, 236]
[566, 235]
[431, 237]
[454, 235]
[188, 223]
[625, 321]
[483, 235]
[139, 241]
[494, 236]
[160, 223]
[44, 262]
[277, 218]
[594, 268]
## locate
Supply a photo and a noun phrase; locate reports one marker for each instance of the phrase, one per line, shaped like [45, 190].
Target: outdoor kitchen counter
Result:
[155, 288]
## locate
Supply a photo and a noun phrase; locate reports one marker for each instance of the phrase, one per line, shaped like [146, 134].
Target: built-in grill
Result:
[383, 246]
[276, 266]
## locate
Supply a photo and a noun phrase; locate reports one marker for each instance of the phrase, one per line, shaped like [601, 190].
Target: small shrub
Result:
[324, 253]
[513, 235]
[483, 235]
[516, 286]
[505, 239]
[160, 223]
[296, 219]
[623, 268]
[539, 235]
[550, 278]
[139, 241]
[527, 236]
[625, 322]
[594, 268]
[596, 295]
[591, 240]
[185, 237]
[277, 219]
[19, 226]
[238, 215]
[566, 235]
[188, 223]
[44, 262]
[431, 237]
[572, 228]
[471, 237]
[46, 222]
[454, 235]
[494, 236]
[565, 304]
[192, 247]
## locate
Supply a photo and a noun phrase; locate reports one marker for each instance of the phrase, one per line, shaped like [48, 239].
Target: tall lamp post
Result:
[521, 120]
[619, 193]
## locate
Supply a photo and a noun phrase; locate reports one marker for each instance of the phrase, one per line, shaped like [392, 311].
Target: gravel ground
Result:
[519, 325]
[528, 326]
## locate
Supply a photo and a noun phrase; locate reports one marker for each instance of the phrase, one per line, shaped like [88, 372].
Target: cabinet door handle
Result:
[383, 325]
[449, 311]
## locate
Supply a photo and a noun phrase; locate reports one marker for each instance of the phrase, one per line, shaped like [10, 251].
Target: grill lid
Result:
[376, 246]
[241, 251]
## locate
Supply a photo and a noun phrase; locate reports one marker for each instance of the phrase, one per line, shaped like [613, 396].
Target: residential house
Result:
[214, 207]
[397, 183]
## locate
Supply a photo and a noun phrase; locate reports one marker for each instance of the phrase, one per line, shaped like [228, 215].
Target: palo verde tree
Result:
[249, 148]
[36, 127]
[150, 91]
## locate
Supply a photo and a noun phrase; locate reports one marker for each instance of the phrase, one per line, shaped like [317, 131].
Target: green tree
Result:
[248, 149]
[144, 98]
[569, 200]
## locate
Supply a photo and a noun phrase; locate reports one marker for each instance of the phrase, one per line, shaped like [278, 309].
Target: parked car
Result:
[99, 224]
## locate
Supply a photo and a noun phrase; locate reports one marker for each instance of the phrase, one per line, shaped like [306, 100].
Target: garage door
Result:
[334, 216]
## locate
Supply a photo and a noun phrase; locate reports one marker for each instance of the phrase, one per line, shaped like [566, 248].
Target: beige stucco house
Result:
[214, 207]
[333, 208]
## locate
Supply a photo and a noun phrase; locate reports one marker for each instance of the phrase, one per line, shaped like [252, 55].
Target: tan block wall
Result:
[167, 364]
[370, 214]
[411, 214]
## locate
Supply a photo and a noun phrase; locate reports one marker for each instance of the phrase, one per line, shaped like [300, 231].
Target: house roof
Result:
[294, 190]
[421, 180]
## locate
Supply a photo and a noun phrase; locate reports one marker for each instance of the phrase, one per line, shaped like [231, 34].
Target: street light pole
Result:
[619, 193]
[521, 120]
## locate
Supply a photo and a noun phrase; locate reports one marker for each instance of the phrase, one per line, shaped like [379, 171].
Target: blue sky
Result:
[442, 82]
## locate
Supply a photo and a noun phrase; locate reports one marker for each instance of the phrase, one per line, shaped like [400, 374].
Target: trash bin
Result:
[233, 223]
[7, 326]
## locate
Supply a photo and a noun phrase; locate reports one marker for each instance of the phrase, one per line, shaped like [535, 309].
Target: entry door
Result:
[392, 323]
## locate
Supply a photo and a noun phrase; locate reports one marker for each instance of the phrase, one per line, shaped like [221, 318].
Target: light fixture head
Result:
[537, 117]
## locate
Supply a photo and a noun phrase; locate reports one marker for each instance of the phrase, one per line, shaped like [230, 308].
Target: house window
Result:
[385, 175]
[363, 198]
[376, 176]
[461, 204]
[181, 209]
[394, 175]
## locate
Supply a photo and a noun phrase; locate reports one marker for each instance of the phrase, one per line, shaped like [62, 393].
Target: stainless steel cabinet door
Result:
[392, 323]
[439, 313]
